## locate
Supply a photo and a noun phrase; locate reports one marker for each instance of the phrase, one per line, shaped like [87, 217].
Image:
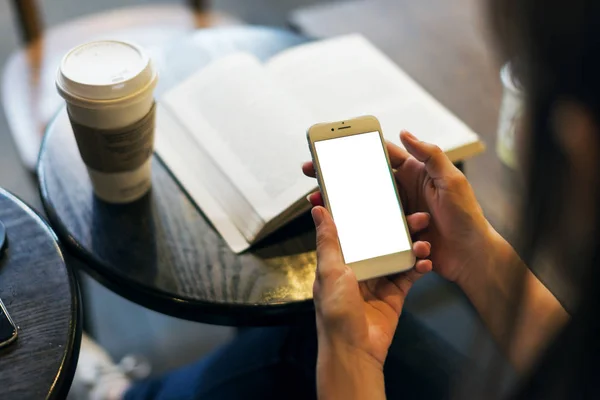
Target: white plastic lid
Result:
[104, 72]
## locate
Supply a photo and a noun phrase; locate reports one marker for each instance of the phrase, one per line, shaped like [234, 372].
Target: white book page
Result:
[194, 171]
[250, 126]
[346, 77]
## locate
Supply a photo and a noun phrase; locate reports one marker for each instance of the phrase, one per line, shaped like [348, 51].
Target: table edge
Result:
[231, 314]
[64, 377]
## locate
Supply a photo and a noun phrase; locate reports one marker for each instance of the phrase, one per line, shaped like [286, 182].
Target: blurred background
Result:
[56, 12]
[123, 327]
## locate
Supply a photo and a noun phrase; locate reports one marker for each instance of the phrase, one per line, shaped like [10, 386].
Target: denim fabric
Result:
[279, 363]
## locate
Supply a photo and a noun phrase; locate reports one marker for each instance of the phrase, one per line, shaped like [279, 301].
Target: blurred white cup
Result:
[511, 114]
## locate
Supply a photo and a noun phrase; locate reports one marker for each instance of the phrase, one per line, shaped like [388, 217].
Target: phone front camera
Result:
[331, 129]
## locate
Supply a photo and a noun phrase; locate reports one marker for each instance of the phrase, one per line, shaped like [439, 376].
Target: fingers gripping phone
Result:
[359, 190]
[8, 330]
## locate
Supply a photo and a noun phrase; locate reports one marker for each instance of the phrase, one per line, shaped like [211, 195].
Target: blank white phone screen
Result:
[362, 196]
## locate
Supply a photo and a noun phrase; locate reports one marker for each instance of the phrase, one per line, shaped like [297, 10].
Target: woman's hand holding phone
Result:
[460, 234]
[356, 322]
[428, 182]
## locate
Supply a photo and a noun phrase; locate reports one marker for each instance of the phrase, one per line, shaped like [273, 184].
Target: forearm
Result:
[344, 374]
[521, 313]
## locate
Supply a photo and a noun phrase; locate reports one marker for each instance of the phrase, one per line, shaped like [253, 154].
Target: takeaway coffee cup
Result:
[108, 86]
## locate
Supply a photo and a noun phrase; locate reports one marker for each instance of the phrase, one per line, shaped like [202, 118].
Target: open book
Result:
[234, 133]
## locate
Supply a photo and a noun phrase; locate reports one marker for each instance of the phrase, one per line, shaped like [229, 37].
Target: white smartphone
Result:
[359, 190]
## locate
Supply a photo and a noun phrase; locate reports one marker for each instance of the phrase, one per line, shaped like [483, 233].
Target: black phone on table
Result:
[8, 330]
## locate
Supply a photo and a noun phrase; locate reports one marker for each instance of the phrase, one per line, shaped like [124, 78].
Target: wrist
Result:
[348, 373]
[492, 250]
[344, 354]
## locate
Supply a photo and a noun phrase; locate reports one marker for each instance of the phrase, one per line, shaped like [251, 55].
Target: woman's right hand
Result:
[459, 234]
[467, 250]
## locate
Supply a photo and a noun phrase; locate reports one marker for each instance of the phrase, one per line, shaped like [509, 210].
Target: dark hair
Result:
[555, 47]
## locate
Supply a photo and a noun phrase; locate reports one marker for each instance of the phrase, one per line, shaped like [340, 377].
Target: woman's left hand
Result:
[356, 321]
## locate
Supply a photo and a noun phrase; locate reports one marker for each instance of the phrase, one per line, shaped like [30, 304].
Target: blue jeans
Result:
[276, 363]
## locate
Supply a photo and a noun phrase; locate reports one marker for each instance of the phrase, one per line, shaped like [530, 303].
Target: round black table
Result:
[42, 297]
[160, 251]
